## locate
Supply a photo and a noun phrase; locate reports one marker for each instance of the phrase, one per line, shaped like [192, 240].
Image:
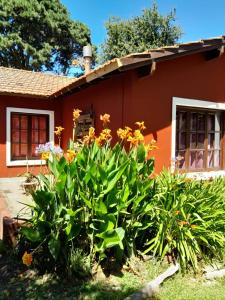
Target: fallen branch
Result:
[152, 288]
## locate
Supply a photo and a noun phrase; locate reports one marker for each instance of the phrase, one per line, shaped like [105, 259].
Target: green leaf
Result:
[141, 153]
[118, 173]
[31, 234]
[112, 238]
[54, 247]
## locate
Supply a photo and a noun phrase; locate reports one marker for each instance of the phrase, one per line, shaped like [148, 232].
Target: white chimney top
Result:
[87, 51]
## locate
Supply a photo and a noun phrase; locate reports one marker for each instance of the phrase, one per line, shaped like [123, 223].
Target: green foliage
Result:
[138, 34]
[95, 203]
[188, 219]
[39, 35]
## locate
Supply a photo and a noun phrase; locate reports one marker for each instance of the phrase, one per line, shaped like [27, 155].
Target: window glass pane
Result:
[24, 122]
[34, 122]
[15, 137]
[193, 121]
[201, 140]
[24, 150]
[15, 122]
[199, 159]
[43, 122]
[201, 122]
[192, 160]
[196, 160]
[193, 140]
[180, 159]
[24, 136]
[42, 139]
[182, 120]
[35, 136]
[211, 122]
[33, 149]
[15, 150]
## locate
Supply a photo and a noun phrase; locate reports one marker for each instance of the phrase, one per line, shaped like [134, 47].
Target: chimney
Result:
[87, 55]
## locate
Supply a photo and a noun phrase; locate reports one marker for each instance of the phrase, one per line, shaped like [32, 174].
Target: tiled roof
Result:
[36, 84]
[28, 83]
[150, 57]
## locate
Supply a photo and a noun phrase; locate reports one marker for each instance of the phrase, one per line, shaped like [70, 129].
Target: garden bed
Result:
[19, 282]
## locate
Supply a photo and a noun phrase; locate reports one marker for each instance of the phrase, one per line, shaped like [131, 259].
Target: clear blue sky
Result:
[197, 18]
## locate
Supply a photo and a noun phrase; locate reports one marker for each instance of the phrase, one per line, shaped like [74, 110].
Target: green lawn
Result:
[17, 282]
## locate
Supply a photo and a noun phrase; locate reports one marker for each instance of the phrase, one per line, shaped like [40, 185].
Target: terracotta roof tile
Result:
[20, 82]
[28, 83]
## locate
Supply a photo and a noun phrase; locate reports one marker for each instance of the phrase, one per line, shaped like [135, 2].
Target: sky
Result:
[198, 19]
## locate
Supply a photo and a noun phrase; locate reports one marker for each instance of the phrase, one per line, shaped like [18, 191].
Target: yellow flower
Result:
[105, 119]
[123, 134]
[27, 258]
[151, 146]
[45, 155]
[133, 141]
[138, 135]
[70, 155]
[103, 137]
[76, 114]
[87, 139]
[58, 130]
[106, 133]
[141, 125]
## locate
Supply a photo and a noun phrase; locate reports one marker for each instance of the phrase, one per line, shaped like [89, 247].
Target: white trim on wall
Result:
[189, 103]
[9, 110]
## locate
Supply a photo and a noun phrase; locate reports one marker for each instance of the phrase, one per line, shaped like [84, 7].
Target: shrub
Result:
[188, 219]
[93, 200]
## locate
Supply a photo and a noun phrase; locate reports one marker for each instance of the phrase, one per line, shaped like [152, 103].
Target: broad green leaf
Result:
[31, 234]
[54, 247]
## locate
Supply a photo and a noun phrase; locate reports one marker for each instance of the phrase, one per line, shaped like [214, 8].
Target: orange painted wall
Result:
[20, 102]
[128, 98]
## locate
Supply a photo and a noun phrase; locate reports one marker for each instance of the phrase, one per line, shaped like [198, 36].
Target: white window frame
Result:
[9, 110]
[190, 103]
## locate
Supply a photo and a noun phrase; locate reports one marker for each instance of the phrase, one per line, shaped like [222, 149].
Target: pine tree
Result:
[39, 35]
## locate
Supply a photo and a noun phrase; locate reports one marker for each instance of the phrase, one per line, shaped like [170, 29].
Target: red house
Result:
[177, 91]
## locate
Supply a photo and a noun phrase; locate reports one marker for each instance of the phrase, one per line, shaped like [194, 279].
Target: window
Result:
[27, 132]
[26, 129]
[199, 139]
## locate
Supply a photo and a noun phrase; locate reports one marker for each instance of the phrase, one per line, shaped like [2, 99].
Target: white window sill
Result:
[37, 162]
[205, 175]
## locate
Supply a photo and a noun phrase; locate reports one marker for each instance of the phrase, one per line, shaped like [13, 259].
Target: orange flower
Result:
[138, 135]
[141, 125]
[123, 134]
[136, 138]
[70, 155]
[45, 155]
[105, 119]
[177, 212]
[104, 136]
[151, 146]
[90, 137]
[27, 258]
[58, 130]
[106, 133]
[76, 114]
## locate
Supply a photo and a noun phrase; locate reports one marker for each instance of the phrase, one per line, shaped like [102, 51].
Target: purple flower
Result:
[49, 147]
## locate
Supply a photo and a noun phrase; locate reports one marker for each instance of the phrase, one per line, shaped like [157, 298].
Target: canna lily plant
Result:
[94, 197]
